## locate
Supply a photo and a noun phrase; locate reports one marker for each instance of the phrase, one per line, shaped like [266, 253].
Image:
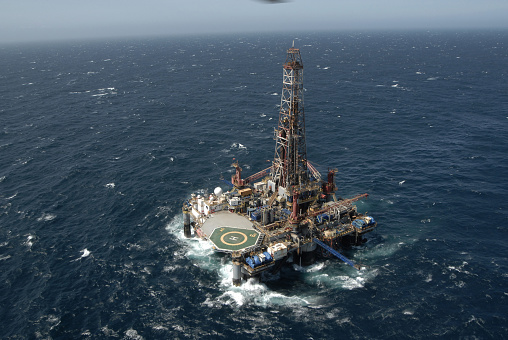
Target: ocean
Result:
[102, 141]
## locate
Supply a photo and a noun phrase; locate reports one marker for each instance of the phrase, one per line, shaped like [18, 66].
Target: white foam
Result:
[252, 292]
[460, 269]
[309, 269]
[110, 185]
[29, 241]
[109, 332]
[133, 334]
[350, 281]
[238, 146]
[85, 253]
[169, 269]
[46, 217]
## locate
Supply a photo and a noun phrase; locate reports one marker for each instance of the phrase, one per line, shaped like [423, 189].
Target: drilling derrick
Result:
[290, 162]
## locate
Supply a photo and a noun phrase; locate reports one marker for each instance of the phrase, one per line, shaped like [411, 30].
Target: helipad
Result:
[230, 239]
[230, 232]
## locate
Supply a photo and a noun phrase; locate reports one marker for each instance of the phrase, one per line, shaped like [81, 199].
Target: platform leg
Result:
[186, 222]
[237, 271]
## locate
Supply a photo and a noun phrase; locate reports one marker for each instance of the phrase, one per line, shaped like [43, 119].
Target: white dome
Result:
[217, 191]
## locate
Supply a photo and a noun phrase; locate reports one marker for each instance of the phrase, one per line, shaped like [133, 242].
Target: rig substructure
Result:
[282, 213]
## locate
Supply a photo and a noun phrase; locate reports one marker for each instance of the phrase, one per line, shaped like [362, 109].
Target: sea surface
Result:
[102, 141]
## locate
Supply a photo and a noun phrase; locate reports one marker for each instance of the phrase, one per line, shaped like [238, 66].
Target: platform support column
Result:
[186, 222]
[237, 269]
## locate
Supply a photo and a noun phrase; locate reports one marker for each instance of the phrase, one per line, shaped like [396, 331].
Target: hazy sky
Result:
[36, 20]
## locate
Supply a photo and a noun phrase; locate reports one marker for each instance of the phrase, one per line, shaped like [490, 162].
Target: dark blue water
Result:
[100, 142]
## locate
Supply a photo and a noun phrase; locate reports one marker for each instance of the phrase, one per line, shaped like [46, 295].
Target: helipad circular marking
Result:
[229, 239]
[237, 243]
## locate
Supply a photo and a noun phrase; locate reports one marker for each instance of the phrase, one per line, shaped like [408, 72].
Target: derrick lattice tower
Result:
[290, 162]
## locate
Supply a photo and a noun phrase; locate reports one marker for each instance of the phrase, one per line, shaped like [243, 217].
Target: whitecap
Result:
[309, 269]
[160, 328]
[402, 182]
[252, 292]
[110, 185]
[133, 334]
[239, 146]
[29, 241]
[85, 253]
[46, 217]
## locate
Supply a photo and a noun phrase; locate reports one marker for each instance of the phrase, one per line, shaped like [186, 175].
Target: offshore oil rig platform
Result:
[284, 213]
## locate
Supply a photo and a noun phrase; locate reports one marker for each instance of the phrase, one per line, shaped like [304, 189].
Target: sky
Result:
[41, 20]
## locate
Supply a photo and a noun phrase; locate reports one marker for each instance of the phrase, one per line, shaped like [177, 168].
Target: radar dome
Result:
[217, 191]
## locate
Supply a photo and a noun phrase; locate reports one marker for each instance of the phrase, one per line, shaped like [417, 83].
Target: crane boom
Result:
[338, 204]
